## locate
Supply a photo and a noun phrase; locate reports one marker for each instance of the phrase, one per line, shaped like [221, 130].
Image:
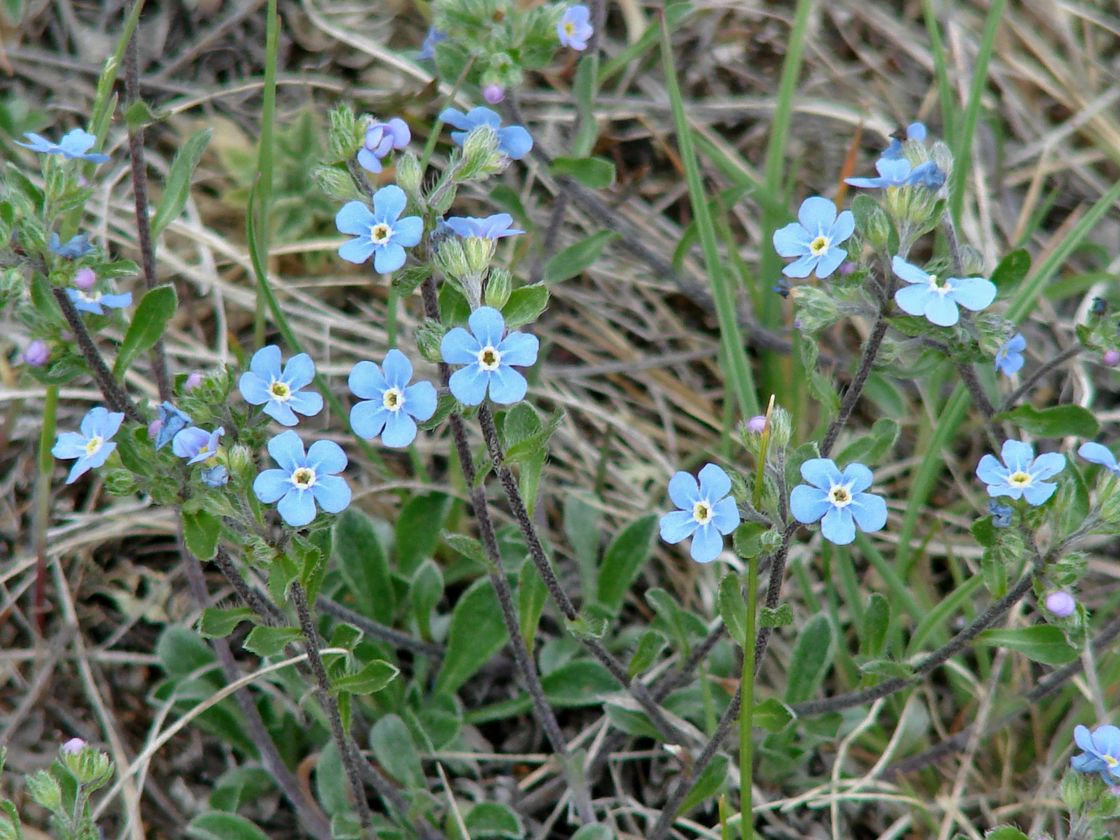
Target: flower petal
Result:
[332, 493]
[838, 526]
[714, 483]
[287, 450]
[487, 324]
[398, 369]
[991, 471]
[1084, 739]
[519, 349]
[684, 491]
[973, 293]
[677, 525]
[388, 258]
[307, 403]
[326, 458]
[828, 263]
[1048, 465]
[515, 141]
[459, 347]
[725, 515]
[270, 485]
[400, 430]
[388, 203]
[808, 504]
[266, 363]
[366, 381]
[1098, 454]
[791, 241]
[707, 543]
[821, 472]
[420, 400]
[298, 372]
[941, 310]
[1039, 492]
[297, 507]
[816, 215]
[912, 299]
[869, 511]
[355, 219]
[507, 386]
[906, 271]
[857, 477]
[407, 231]
[69, 445]
[802, 267]
[842, 228]
[468, 385]
[368, 418]
[357, 251]
[1017, 455]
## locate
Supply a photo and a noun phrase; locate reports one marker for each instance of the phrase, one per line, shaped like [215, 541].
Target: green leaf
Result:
[1011, 270]
[575, 259]
[312, 563]
[650, 645]
[889, 668]
[582, 682]
[363, 564]
[593, 172]
[469, 547]
[373, 677]
[1058, 421]
[876, 623]
[219, 825]
[269, 641]
[140, 114]
[177, 187]
[779, 616]
[475, 634]
[733, 608]
[330, 780]
[147, 327]
[772, 715]
[872, 447]
[1005, 832]
[811, 658]
[582, 527]
[492, 821]
[418, 529]
[1043, 643]
[201, 531]
[595, 831]
[525, 305]
[531, 596]
[709, 783]
[424, 593]
[395, 750]
[624, 560]
[217, 623]
[181, 651]
[535, 444]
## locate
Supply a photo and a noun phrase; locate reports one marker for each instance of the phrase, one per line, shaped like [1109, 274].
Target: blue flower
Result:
[1001, 514]
[381, 139]
[707, 513]
[303, 480]
[1097, 454]
[575, 27]
[76, 246]
[93, 445]
[389, 403]
[492, 227]
[815, 238]
[513, 140]
[1021, 475]
[381, 233]
[916, 131]
[428, 48]
[96, 302]
[896, 172]
[215, 476]
[838, 500]
[279, 392]
[488, 358]
[170, 421]
[75, 144]
[937, 299]
[1102, 752]
[197, 444]
[1009, 357]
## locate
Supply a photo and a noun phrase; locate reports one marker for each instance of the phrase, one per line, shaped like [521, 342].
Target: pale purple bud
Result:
[847, 267]
[153, 429]
[73, 746]
[85, 278]
[37, 353]
[757, 424]
[1061, 603]
[192, 382]
[1111, 358]
[493, 94]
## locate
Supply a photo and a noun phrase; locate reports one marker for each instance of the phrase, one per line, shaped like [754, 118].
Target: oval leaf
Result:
[147, 327]
[1043, 643]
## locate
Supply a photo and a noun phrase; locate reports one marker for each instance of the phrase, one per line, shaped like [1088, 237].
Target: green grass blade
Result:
[941, 72]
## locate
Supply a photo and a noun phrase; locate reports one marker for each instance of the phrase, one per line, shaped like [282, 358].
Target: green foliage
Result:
[575, 259]
[1041, 643]
[623, 561]
[475, 634]
[593, 172]
[147, 326]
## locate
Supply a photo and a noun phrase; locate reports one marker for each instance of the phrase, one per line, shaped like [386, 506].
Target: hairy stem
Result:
[1042, 370]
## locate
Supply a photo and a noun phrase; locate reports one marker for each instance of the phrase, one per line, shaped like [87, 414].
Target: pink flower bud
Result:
[493, 94]
[1061, 603]
[1111, 358]
[846, 268]
[153, 429]
[757, 424]
[192, 382]
[85, 278]
[73, 746]
[36, 354]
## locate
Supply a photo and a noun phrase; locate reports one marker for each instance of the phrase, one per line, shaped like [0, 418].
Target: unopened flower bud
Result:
[192, 381]
[408, 174]
[1111, 358]
[757, 424]
[781, 427]
[493, 94]
[1061, 603]
[73, 746]
[85, 278]
[153, 429]
[499, 285]
[36, 354]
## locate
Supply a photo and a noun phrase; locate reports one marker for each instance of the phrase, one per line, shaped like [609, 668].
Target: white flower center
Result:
[380, 233]
[702, 513]
[489, 358]
[1019, 479]
[840, 495]
[93, 445]
[942, 288]
[89, 297]
[393, 399]
[280, 390]
[303, 478]
[819, 246]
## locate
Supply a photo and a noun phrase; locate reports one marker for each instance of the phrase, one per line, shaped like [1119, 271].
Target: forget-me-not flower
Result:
[838, 500]
[1021, 475]
[815, 238]
[1009, 357]
[97, 302]
[381, 139]
[93, 445]
[382, 233]
[169, 422]
[215, 475]
[914, 131]
[574, 29]
[197, 444]
[280, 391]
[936, 298]
[513, 140]
[897, 172]
[1102, 752]
[389, 406]
[1001, 514]
[707, 513]
[75, 145]
[303, 479]
[489, 354]
[492, 227]
[1097, 454]
[428, 48]
[76, 246]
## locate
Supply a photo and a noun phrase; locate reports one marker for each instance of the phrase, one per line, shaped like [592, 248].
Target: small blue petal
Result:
[676, 526]
[297, 507]
[707, 543]
[838, 527]
[684, 491]
[332, 493]
[468, 385]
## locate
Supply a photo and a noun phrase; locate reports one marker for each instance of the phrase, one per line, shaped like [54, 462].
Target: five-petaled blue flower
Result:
[1097, 454]
[937, 299]
[76, 246]
[197, 444]
[169, 422]
[93, 445]
[1021, 475]
[1009, 357]
[1102, 752]
[574, 29]
[489, 354]
[75, 144]
[381, 139]
[815, 238]
[303, 479]
[513, 140]
[279, 392]
[492, 227]
[897, 172]
[389, 404]
[381, 233]
[837, 498]
[97, 302]
[428, 48]
[707, 513]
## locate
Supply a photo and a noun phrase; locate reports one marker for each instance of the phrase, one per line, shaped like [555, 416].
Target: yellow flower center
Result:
[280, 390]
[1110, 761]
[489, 358]
[702, 513]
[569, 28]
[818, 246]
[393, 399]
[93, 445]
[840, 495]
[380, 233]
[303, 477]
[1019, 479]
